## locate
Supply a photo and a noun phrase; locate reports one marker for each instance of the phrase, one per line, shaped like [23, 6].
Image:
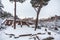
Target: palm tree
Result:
[37, 5]
[21, 1]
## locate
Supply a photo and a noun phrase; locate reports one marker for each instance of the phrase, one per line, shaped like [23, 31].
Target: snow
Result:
[29, 30]
[26, 30]
[1, 20]
[23, 30]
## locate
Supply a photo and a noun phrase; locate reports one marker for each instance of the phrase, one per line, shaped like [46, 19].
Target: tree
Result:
[37, 5]
[21, 1]
[6, 15]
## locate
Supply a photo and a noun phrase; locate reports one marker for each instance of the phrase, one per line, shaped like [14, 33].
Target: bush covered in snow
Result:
[55, 28]
[49, 33]
[49, 38]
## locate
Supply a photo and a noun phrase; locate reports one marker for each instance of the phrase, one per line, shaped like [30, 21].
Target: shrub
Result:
[56, 28]
[49, 33]
[45, 29]
[49, 38]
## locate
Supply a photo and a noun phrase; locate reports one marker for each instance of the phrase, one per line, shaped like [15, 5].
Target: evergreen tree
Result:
[37, 5]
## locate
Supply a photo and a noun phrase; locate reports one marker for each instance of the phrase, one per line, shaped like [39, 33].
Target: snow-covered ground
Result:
[26, 30]
[1, 20]
[14, 34]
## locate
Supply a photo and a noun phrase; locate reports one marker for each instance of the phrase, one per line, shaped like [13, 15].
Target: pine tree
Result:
[37, 5]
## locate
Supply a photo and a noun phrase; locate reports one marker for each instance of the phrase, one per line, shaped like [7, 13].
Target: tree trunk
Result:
[36, 25]
[15, 15]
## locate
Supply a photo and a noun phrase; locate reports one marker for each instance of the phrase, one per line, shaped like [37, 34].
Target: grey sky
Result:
[26, 10]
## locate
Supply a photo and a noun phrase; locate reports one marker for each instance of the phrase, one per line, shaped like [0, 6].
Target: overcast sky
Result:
[26, 10]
